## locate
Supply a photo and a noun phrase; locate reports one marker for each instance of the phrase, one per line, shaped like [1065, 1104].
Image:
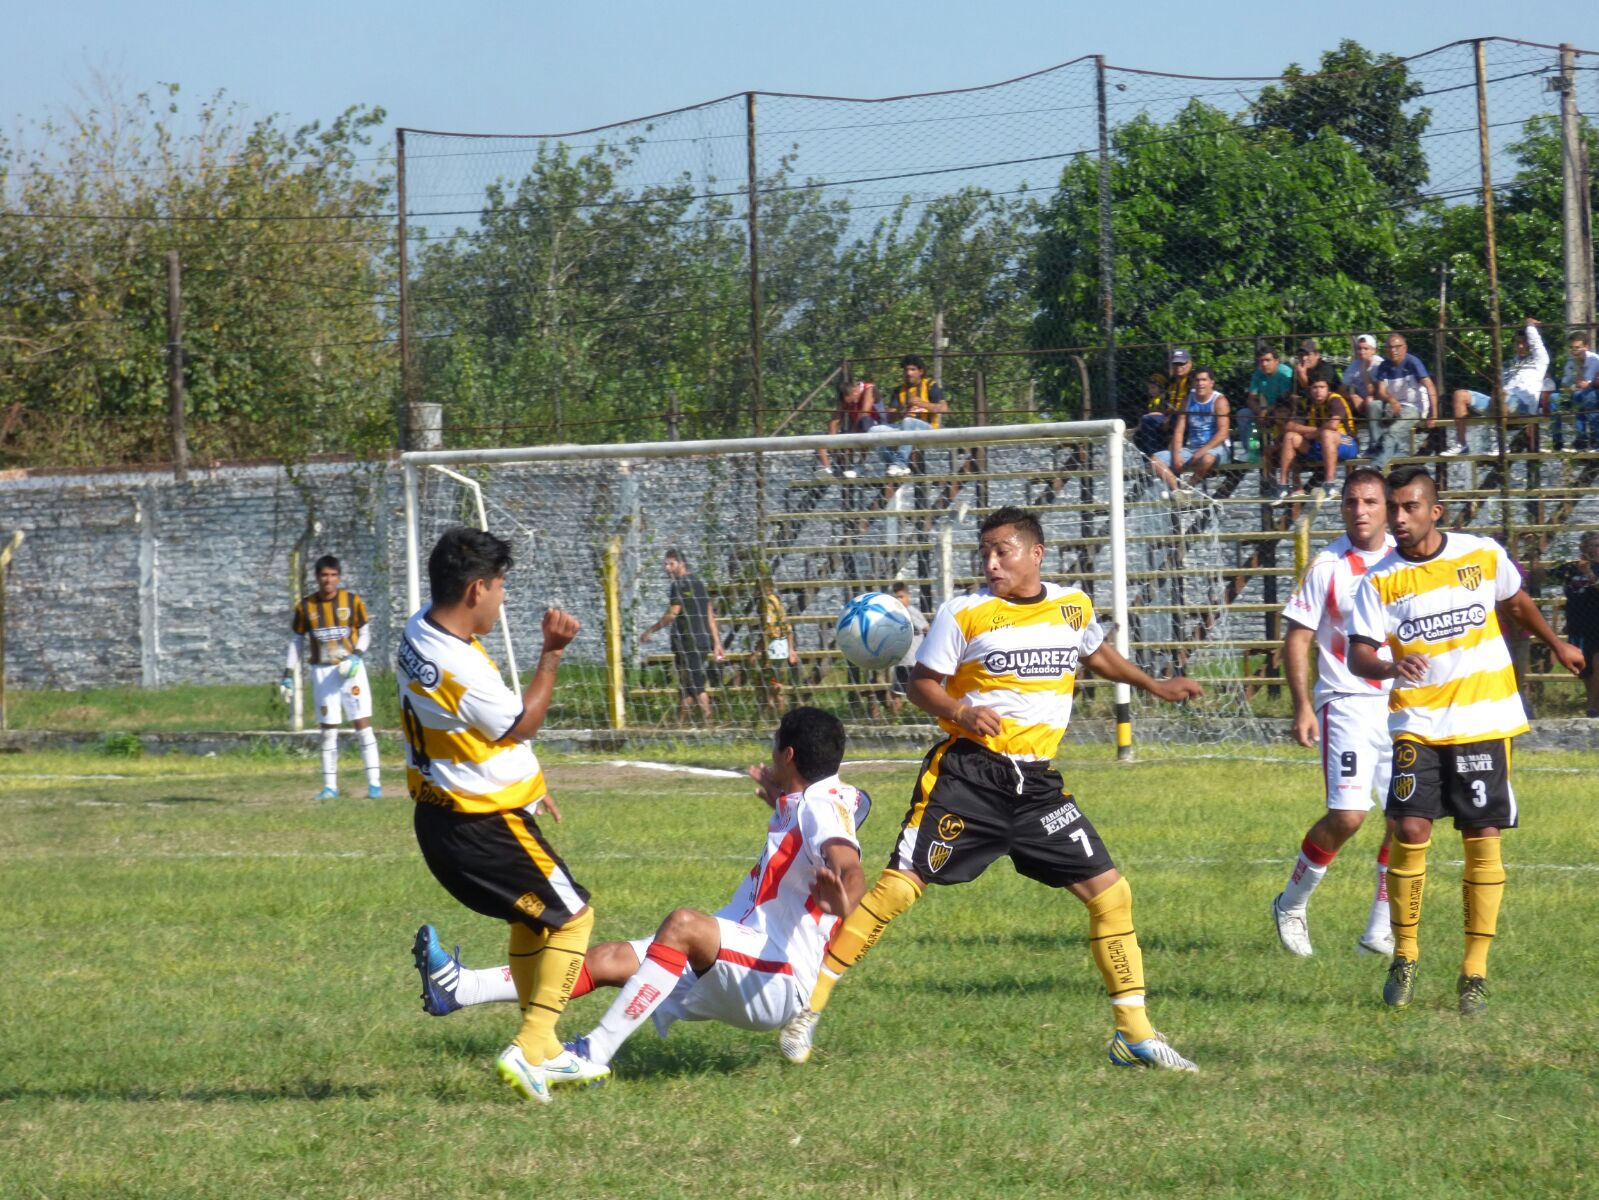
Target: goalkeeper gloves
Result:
[350, 666]
[286, 688]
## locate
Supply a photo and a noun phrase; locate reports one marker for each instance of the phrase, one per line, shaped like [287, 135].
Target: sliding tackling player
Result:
[997, 669]
[1349, 716]
[1437, 602]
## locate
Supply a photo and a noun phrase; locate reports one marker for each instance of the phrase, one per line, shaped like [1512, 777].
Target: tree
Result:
[284, 243]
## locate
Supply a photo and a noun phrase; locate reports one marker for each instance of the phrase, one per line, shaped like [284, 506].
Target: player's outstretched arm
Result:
[1521, 609]
[559, 630]
[839, 886]
[1296, 665]
[765, 788]
[1107, 663]
[926, 692]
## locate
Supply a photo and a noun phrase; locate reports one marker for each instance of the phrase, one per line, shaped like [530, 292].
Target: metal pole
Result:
[614, 686]
[1122, 638]
[755, 261]
[1576, 201]
[402, 234]
[413, 566]
[175, 406]
[5, 566]
[1491, 254]
[1107, 253]
[938, 347]
[296, 689]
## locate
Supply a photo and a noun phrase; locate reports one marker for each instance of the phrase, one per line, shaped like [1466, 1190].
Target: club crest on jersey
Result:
[343, 613]
[937, 855]
[529, 903]
[1404, 787]
[950, 827]
[1074, 616]
[1470, 577]
[1405, 755]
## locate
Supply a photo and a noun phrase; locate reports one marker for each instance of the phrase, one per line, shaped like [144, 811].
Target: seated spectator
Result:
[1580, 581]
[1269, 386]
[1406, 395]
[1580, 383]
[918, 403]
[1154, 427]
[857, 411]
[1309, 366]
[1523, 378]
[1360, 384]
[1322, 433]
[1199, 434]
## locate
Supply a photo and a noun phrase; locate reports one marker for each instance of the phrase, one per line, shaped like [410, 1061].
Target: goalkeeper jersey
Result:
[1446, 607]
[1018, 659]
[330, 627]
[456, 711]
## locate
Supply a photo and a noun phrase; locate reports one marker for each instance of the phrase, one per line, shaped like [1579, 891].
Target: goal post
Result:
[768, 532]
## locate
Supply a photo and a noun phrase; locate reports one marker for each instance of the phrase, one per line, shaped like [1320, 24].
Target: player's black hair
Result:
[1363, 475]
[817, 738]
[913, 360]
[1405, 476]
[676, 555]
[1024, 521]
[326, 561]
[461, 555]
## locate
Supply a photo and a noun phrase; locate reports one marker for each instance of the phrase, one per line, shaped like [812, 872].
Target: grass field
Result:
[209, 994]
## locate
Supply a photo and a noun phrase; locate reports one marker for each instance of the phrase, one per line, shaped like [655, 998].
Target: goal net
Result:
[782, 543]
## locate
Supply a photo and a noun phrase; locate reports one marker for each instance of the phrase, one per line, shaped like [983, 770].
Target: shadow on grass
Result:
[303, 1089]
[187, 800]
[645, 1056]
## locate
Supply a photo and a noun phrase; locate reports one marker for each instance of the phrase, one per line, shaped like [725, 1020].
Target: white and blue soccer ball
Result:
[874, 631]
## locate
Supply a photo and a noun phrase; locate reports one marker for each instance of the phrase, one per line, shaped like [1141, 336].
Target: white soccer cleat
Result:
[1381, 942]
[1153, 1051]
[1292, 931]
[795, 1039]
[521, 1076]
[897, 469]
[570, 1069]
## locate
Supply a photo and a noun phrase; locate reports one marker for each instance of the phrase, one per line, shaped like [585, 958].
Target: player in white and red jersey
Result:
[754, 962]
[1348, 716]
[1437, 602]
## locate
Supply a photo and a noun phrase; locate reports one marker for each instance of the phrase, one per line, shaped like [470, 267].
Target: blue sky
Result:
[527, 67]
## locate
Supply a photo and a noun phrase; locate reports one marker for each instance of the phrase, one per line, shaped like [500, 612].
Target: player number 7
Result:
[1078, 835]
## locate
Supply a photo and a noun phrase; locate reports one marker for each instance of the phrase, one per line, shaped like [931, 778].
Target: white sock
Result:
[641, 995]
[330, 757]
[1377, 920]
[1306, 877]
[369, 754]
[489, 985]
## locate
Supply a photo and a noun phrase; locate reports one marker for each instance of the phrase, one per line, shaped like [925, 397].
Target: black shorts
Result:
[1469, 782]
[690, 669]
[499, 864]
[1586, 640]
[971, 806]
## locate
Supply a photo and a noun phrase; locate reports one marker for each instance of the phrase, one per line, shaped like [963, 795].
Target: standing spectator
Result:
[1199, 435]
[918, 403]
[1325, 434]
[1581, 383]
[694, 634]
[780, 653]
[902, 673]
[1269, 387]
[857, 411]
[1523, 384]
[1310, 366]
[1580, 581]
[1406, 394]
[1360, 384]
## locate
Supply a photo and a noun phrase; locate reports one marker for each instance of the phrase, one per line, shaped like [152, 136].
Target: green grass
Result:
[209, 994]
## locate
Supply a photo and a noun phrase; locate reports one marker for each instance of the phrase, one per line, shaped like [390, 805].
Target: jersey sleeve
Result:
[1507, 576]
[1093, 638]
[942, 647]
[824, 819]
[299, 625]
[1368, 619]
[487, 704]
[358, 616]
[1309, 601]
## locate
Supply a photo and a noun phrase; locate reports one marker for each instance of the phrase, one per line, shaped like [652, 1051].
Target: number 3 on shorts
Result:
[1479, 793]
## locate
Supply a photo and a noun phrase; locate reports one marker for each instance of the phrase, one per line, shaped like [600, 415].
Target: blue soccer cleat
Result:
[374, 791]
[440, 972]
[328, 793]
[1153, 1051]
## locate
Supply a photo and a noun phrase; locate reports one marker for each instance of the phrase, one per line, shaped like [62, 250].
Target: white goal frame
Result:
[1111, 434]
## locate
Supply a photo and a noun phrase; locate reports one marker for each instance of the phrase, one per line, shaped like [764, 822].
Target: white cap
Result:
[1366, 339]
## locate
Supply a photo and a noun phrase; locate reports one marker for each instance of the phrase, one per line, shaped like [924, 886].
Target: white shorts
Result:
[333, 693]
[752, 986]
[1356, 751]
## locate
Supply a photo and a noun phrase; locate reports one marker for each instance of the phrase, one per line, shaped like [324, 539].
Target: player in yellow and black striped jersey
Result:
[330, 634]
[997, 670]
[478, 787]
[1436, 602]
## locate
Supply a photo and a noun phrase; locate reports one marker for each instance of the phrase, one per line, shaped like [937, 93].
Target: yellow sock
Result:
[1115, 945]
[1481, 888]
[892, 894]
[1407, 877]
[526, 946]
[554, 971]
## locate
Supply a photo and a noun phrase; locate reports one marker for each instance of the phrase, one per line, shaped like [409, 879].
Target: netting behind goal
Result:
[590, 531]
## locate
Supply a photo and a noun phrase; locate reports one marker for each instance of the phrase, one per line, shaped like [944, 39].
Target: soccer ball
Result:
[874, 631]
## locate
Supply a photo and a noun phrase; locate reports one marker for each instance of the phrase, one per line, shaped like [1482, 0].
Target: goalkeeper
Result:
[331, 634]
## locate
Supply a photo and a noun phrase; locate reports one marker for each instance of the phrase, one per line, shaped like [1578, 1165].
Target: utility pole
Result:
[938, 347]
[175, 406]
[402, 235]
[1107, 253]
[1576, 202]
[751, 168]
